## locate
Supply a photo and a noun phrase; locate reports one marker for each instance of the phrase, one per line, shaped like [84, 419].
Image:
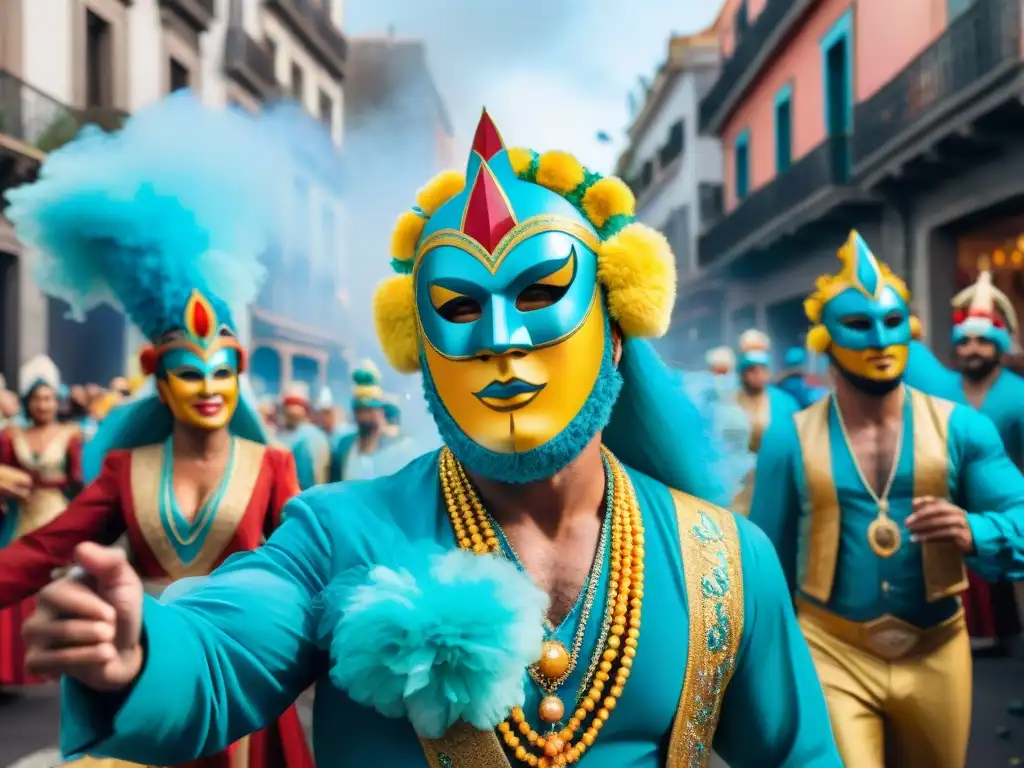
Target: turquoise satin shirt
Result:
[1004, 404]
[982, 480]
[213, 675]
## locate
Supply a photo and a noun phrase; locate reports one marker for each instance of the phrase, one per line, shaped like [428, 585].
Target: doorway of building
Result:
[92, 351]
[9, 310]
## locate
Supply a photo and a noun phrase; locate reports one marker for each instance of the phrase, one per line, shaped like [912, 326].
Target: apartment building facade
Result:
[898, 119]
[676, 175]
[64, 63]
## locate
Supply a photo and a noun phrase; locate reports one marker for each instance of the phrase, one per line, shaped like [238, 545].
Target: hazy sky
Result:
[553, 73]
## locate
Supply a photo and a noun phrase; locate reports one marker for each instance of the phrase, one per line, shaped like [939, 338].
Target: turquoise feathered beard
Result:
[445, 637]
[183, 199]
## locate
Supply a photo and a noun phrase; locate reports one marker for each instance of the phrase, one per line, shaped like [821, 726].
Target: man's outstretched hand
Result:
[89, 625]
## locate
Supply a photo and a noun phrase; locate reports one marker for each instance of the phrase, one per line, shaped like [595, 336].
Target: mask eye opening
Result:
[540, 296]
[856, 322]
[462, 309]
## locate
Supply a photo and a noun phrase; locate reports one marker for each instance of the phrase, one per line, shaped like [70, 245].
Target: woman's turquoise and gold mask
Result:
[508, 284]
[862, 317]
[197, 367]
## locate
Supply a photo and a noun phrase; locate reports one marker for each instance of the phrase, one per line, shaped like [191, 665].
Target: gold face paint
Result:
[873, 364]
[201, 393]
[519, 400]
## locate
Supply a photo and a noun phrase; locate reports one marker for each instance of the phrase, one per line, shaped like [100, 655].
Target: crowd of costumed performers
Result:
[164, 221]
[40, 472]
[878, 498]
[556, 584]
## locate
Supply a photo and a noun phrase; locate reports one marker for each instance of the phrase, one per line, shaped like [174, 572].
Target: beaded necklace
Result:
[475, 532]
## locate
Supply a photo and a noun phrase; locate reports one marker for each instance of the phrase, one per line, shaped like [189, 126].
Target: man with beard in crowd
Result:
[984, 320]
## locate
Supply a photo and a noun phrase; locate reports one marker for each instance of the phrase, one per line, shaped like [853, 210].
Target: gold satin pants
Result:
[911, 713]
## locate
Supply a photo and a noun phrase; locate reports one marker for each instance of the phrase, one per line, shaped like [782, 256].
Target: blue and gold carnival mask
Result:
[510, 277]
[197, 366]
[862, 318]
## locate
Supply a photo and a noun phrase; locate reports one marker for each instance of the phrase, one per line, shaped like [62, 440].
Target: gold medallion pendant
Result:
[884, 536]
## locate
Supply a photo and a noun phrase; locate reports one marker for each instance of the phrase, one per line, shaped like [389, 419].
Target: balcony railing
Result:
[250, 62]
[982, 41]
[312, 22]
[198, 14]
[43, 123]
[739, 66]
[828, 165]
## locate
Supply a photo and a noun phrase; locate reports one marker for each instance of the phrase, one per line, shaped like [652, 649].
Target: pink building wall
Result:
[799, 64]
[892, 34]
[887, 36]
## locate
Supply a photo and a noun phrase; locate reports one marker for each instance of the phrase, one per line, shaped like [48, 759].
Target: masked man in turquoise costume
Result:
[562, 601]
[875, 497]
[793, 380]
[307, 442]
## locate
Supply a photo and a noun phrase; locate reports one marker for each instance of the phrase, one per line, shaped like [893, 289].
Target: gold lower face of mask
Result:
[520, 400]
[207, 403]
[873, 364]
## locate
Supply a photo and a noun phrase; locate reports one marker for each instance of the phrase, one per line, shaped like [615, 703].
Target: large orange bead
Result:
[551, 709]
[554, 660]
[554, 746]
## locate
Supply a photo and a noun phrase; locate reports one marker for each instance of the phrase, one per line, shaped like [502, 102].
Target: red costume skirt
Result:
[990, 609]
[282, 745]
[12, 647]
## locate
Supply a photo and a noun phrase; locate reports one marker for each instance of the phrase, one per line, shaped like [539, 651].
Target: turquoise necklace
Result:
[187, 536]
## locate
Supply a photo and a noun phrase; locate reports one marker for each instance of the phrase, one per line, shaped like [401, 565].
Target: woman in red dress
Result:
[165, 221]
[42, 469]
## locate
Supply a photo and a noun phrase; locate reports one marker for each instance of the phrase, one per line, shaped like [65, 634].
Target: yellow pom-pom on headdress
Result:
[410, 224]
[606, 198]
[520, 159]
[560, 172]
[819, 340]
[394, 317]
[638, 271]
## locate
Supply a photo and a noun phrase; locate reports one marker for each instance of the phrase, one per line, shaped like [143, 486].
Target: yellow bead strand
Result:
[473, 531]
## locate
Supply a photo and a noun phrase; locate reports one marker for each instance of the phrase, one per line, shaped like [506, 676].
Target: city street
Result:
[27, 724]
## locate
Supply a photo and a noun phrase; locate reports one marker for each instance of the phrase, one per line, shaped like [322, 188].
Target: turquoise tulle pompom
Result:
[445, 637]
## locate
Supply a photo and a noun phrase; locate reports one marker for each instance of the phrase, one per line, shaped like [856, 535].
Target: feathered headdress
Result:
[720, 360]
[366, 386]
[862, 272]
[39, 370]
[325, 400]
[983, 311]
[164, 220]
[635, 263]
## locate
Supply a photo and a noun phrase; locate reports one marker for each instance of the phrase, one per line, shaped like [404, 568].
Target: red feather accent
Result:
[200, 319]
[488, 217]
[487, 141]
[959, 316]
[148, 360]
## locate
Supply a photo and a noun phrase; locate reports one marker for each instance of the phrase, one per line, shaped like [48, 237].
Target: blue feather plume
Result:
[183, 198]
[446, 636]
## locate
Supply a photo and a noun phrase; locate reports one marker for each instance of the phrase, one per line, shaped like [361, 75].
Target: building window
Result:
[783, 128]
[741, 159]
[837, 66]
[673, 147]
[298, 83]
[271, 47]
[180, 76]
[741, 24]
[326, 109]
[99, 64]
[711, 204]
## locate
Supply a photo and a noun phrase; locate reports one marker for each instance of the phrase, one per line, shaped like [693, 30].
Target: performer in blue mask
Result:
[763, 402]
[548, 588]
[875, 497]
[793, 379]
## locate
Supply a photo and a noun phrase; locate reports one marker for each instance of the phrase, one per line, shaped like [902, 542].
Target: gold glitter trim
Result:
[714, 591]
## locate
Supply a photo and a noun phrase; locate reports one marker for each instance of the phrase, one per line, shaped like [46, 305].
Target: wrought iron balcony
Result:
[198, 14]
[749, 55]
[40, 122]
[250, 64]
[774, 208]
[978, 50]
[33, 124]
[312, 22]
